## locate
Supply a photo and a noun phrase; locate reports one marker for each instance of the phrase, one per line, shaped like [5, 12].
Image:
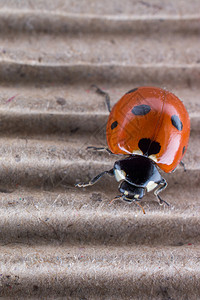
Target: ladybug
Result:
[151, 127]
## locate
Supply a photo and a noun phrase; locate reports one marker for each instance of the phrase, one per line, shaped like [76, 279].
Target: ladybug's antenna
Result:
[117, 197]
[140, 207]
[120, 197]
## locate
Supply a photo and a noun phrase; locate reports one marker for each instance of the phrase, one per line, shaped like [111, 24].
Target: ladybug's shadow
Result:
[107, 188]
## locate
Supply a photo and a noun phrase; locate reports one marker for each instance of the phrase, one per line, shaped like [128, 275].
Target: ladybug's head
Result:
[130, 192]
[137, 174]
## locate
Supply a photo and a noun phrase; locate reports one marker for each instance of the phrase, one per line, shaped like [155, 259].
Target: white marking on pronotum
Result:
[151, 186]
[153, 157]
[137, 152]
[119, 175]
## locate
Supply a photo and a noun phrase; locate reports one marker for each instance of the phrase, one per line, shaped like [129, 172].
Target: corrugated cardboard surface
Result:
[61, 242]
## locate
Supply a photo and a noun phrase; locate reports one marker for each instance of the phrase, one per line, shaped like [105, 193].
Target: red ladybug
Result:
[152, 127]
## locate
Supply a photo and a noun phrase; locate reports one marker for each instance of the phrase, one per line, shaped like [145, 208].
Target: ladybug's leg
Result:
[100, 149]
[183, 165]
[163, 186]
[106, 95]
[96, 178]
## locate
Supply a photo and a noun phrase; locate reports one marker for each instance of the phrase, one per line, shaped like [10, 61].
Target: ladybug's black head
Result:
[130, 192]
[136, 174]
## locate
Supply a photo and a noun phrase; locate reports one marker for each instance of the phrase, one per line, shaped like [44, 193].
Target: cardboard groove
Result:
[34, 227]
[29, 21]
[31, 73]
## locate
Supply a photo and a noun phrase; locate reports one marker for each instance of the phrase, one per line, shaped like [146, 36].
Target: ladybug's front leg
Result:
[96, 178]
[100, 149]
[106, 95]
[183, 165]
[163, 186]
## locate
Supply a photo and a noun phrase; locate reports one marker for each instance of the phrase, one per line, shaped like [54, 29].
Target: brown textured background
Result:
[58, 242]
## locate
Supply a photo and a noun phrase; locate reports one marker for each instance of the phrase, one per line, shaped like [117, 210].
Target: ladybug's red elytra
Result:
[152, 127]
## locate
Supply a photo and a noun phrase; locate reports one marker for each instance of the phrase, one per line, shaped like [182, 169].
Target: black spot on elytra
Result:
[176, 122]
[114, 124]
[131, 91]
[149, 147]
[141, 110]
[183, 151]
